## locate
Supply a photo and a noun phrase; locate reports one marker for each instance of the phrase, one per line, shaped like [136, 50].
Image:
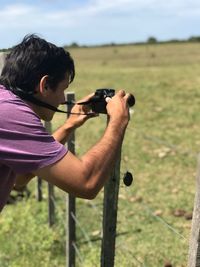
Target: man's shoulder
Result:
[5, 93]
[13, 107]
[7, 97]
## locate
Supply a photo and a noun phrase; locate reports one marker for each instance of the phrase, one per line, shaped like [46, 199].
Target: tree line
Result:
[150, 40]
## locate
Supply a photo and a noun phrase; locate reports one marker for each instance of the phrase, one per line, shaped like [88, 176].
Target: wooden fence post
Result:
[2, 58]
[70, 203]
[51, 197]
[111, 191]
[39, 189]
[194, 248]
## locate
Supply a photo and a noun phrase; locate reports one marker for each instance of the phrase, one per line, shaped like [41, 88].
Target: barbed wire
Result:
[78, 253]
[146, 207]
[82, 230]
[87, 237]
[157, 140]
[130, 252]
[163, 221]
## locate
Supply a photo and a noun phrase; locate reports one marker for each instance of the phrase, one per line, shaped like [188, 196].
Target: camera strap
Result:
[29, 97]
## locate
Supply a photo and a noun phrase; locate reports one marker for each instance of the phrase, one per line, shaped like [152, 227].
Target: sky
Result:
[96, 22]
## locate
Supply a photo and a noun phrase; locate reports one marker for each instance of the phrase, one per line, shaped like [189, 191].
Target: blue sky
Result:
[89, 22]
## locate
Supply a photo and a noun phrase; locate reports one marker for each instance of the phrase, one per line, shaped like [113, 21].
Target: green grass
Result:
[160, 149]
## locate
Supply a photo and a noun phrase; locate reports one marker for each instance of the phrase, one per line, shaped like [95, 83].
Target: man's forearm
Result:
[63, 134]
[101, 158]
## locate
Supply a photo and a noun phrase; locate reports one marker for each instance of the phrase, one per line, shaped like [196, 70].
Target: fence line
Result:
[164, 222]
[110, 209]
[110, 203]
[82, 230]
[78, 253]
[131, 253]
[111, 191]
[157, 140]
[160, 141]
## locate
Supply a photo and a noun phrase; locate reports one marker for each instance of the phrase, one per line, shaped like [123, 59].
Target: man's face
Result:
[55, 97]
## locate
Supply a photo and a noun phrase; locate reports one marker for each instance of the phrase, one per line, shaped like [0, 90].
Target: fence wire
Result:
[145, 207]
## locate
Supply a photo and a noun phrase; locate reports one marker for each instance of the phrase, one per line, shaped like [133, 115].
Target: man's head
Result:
[34, 58]
[35, 65]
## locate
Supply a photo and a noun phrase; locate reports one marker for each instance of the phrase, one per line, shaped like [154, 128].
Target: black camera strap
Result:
[29, 97]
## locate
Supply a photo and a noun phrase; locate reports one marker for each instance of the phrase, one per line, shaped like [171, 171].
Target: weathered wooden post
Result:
[51, 198]
[111, 191]
[71, 203]
[2, 58]
[194, 248]
[39, 189]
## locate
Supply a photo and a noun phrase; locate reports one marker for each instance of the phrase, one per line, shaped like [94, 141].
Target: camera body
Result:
[98, 101]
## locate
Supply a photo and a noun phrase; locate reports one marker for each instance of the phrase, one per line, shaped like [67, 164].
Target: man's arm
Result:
[81, 113]
[62, 135]
[86, 176]
[22, 180]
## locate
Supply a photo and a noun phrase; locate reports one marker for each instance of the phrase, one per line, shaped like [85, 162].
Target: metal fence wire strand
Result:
[145, 206]
[160, 141]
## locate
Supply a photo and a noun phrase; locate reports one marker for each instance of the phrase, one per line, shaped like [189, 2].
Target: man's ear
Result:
[43, 85]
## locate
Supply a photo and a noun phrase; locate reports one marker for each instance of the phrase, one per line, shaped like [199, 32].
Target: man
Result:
[37, 72]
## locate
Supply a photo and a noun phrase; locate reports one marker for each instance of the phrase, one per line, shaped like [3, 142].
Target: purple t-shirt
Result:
[25, 145]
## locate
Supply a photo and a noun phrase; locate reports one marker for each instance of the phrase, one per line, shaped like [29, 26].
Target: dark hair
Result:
[32, 59]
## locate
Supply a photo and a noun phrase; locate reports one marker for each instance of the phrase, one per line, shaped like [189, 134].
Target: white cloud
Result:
[14, 15]
[96, 18]
[28, 15]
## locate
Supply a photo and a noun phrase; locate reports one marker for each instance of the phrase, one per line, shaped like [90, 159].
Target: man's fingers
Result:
[108, 99]
[121, 93]
[86, 98]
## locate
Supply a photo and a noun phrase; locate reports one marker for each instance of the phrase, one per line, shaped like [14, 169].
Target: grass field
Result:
[160, 149]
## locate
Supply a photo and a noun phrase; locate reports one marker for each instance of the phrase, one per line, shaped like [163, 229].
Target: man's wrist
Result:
[68, 126]
[64, 132]
[118, 123]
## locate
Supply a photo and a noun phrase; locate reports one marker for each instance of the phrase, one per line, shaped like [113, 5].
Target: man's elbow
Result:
[91, 185]
[90, 192]
[86, 191]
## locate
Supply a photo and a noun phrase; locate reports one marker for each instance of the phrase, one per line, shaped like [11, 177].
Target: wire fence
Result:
[107, 235]
[109, 220]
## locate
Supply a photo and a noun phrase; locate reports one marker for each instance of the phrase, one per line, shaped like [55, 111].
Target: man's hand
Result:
[118, 108]
[86, 176]
[83, 113]
[74, 121]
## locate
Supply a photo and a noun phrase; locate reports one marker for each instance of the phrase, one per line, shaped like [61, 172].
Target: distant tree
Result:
[194, 39]
[4, 50]
[174, 41]
[74, 44]
[151, 40]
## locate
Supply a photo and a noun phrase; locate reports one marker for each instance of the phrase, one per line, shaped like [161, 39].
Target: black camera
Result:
[98, 101]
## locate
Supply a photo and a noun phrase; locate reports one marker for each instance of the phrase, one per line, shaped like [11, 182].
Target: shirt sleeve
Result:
[25, 145]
